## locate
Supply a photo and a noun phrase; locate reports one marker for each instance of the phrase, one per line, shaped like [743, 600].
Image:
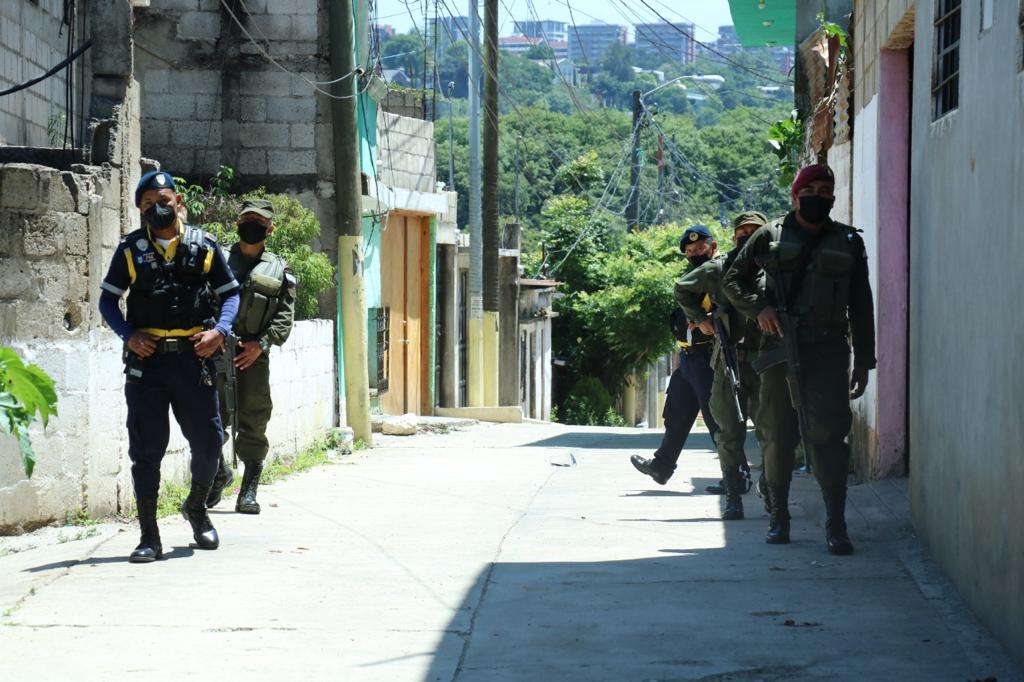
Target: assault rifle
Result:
[727, 352]
[789, 348]
[225, 363]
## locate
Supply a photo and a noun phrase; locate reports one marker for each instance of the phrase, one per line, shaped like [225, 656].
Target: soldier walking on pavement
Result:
[173, 274]
[689, 387]
[821, 265]
[265, 315]
[743, 340]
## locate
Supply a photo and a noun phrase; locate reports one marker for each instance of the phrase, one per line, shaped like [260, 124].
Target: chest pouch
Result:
[191, 254]
[828, 290]
[259, 300]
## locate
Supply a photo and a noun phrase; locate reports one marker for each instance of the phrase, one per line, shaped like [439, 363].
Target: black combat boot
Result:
[650, 467]
[194, 511]
[734, 497]
[835, 524]
[246, 503]
[149, 548]
[222, 480]
[778, 531]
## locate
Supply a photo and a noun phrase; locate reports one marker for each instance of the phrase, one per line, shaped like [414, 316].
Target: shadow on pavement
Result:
[711, 613]
[176, 553]
[596, 440]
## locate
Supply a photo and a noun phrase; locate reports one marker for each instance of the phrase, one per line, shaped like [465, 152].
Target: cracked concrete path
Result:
[483, 554]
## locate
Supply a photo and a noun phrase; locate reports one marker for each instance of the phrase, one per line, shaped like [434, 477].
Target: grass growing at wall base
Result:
[172, 495]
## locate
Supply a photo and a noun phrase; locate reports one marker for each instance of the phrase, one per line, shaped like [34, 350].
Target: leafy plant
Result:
[215, 208]
[26, 393]
[589, 403]
[785, 138]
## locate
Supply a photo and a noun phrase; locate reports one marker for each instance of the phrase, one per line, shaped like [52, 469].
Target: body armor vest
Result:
[821, 296]
[260, 296]
[170, 294]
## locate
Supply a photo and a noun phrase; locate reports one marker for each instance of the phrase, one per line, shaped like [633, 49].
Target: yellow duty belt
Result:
[170, 333]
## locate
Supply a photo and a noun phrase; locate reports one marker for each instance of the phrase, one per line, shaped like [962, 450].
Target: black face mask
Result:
[159, 216]
[696, 261]
[815, 209]
[741, 241]
[252, 232]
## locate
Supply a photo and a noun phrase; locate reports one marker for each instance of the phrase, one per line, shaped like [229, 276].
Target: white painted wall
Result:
[83, 455]
[865, 217]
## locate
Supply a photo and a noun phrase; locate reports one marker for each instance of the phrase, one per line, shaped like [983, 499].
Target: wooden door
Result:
[404, 276]
[392, 293]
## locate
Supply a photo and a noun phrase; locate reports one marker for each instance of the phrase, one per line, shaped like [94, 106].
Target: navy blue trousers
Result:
[689, 390]
[171, 381]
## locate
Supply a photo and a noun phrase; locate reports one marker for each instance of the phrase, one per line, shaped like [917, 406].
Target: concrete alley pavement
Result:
[488, 554]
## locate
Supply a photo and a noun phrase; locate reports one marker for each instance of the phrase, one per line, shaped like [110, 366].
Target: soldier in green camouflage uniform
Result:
[745, 337]
[265, 316]
[823, 265]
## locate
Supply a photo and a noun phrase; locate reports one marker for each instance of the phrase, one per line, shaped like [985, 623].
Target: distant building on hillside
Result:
[448, 28]
[385, 31]
[589, 43]
[546, 28]
[666, 40]
[728, 41]
[522, 44]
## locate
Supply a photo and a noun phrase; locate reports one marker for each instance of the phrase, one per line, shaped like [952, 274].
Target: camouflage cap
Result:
[261, 207]
[749, 218]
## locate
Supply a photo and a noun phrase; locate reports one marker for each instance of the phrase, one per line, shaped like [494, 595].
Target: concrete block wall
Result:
[406, 150]
[31, 43]
[211, 98]
[82, 458]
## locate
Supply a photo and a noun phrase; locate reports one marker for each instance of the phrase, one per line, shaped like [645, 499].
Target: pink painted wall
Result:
[893, 264]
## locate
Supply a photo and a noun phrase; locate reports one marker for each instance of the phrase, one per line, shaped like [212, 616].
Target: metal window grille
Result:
[380, 329]
[946, 73]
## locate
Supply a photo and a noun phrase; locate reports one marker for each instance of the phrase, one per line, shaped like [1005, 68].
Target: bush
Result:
[589, 404]
[295, 228]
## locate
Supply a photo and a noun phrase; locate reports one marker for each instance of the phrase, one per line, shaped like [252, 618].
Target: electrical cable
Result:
[63, 63]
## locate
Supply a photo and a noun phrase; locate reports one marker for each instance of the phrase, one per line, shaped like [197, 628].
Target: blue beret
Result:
[153, 180]
[694, 234]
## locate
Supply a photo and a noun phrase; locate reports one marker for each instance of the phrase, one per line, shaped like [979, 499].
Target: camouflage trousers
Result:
[825, 389]
[732, 426]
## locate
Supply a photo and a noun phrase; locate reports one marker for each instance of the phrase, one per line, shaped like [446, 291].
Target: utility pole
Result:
[492, 230]
[348, 208]
[661, 179]
[633, 206]
[451, 140]
[475, 388]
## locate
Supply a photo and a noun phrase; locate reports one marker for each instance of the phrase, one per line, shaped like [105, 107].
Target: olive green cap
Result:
[749, 218]
[261, 207]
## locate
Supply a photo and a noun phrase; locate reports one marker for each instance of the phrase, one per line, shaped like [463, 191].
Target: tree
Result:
[404, 51]
[540, 51]
[26, 394]
[618, 62]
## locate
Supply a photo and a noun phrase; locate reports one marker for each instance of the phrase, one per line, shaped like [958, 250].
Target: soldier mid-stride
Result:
[821, 267]
[730, 407]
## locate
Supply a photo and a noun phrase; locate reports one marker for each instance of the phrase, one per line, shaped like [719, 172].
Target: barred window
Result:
[946, 78]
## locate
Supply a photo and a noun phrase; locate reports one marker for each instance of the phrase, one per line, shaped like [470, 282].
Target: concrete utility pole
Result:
[492, 230]
[348, 208]
[633, 206]
[475, 349]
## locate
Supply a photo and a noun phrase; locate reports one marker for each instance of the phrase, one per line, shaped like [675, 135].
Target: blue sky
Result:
[708, 15]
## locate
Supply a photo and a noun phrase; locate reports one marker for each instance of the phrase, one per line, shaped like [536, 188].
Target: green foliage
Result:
[582, 174]
[540, 51]
[618, 62]
[295, 229]
[27, 393]
[589, 403]
[785, 138]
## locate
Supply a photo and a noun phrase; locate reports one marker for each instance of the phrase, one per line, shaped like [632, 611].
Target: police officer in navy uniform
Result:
[174, 275]
[689, 387]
